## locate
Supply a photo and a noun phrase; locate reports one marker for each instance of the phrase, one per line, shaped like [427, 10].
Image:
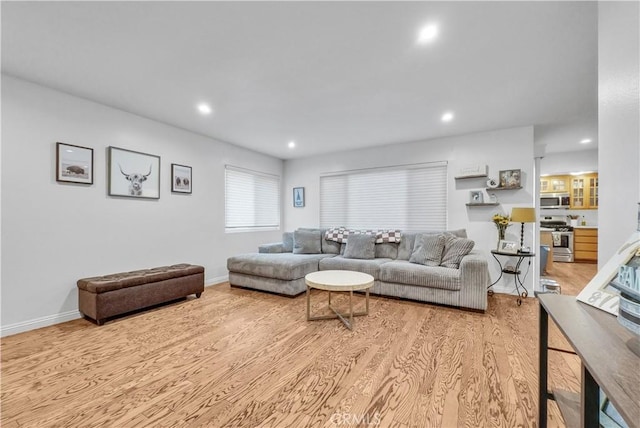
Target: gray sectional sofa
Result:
[281, 268]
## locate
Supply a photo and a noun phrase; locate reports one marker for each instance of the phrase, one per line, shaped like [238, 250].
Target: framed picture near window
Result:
[510, 247]
[298, 197]
[133, 174]
[180, 178]
[510, 178]
[74, 164]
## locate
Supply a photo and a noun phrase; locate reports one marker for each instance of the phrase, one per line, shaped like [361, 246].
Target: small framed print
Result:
[74, 164]
[133, 174]
[510, 178]
[508, 247]
[476, 197]
[298, 197]
[180, 178]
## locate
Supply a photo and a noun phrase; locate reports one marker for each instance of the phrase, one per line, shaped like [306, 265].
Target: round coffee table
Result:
[343, 281]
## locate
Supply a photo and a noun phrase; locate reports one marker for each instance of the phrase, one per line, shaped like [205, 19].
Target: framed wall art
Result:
[600, 292]
[74, 164]
[298, 197]
[476, 197]
[181, 181]
[510, 178]
[133, 174]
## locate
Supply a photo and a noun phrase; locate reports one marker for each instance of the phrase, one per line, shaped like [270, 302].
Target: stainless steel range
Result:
[562, 235]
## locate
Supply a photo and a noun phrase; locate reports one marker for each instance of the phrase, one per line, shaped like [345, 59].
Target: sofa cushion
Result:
[370, 266]
[360, 247]
[330, 247]
[388, 250]
[405, 272]
[285, 266]
[454, 250]
[408, 240]
[287, 242]
[428, 250]
[307, 242]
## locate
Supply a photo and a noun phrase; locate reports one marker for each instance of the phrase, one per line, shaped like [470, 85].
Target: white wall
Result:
[54, 234]
[618, 124]
[567, 162]
[503, 149]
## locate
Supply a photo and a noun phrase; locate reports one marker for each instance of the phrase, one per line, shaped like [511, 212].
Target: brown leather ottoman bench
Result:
[102, 297]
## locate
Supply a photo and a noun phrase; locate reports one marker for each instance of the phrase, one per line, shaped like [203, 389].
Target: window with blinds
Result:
[409, 197]
[252, 200]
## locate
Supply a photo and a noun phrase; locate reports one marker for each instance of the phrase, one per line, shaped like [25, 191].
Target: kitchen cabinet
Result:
[554, 183]
[584, 191]
[585, 245]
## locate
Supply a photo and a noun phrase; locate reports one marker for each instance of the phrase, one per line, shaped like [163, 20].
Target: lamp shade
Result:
[523, 215]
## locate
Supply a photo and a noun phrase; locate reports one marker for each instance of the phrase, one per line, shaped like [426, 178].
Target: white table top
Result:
[339, 280]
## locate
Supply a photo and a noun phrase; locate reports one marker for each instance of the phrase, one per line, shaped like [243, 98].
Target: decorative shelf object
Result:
[504, 188]
[473, 171]
[471, 176]
[484, 204]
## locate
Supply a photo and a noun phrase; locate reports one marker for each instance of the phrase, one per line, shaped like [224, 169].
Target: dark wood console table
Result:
[607, 362]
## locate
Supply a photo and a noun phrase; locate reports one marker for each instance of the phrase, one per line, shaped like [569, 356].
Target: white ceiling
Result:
[329, 75]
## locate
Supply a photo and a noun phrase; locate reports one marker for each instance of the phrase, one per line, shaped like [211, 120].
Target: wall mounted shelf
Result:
[504, 188]
[472, 176]
[484, 204]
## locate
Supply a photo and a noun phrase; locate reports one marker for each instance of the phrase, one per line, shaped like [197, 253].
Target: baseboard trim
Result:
[21, 327]
[216, 280]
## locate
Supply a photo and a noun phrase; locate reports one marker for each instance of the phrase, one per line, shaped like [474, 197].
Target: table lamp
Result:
[523, 215]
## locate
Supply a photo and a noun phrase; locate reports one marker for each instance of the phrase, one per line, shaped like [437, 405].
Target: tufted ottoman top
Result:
[102, 284]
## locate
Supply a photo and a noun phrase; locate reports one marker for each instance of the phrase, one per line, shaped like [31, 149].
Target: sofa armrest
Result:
[275, 247]
[474, 279]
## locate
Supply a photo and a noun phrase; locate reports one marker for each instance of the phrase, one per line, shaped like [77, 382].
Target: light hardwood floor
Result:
[239, 358]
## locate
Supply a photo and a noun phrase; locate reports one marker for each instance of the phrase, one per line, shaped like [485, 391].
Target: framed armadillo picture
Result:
[74, 164]
[599, 292]
[133, 174]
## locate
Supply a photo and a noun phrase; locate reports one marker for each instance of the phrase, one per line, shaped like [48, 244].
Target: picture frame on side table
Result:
[133, 174]
[510, 247]
[74, 164]
[298, 197]
[181, 179]
[510, 178]
[476, 197]
[599, 292]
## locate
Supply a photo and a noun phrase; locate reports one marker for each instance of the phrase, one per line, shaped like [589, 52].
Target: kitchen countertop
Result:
[585, 227]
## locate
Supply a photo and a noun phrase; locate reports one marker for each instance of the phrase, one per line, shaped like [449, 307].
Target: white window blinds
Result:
[410, 197]
[252, 200]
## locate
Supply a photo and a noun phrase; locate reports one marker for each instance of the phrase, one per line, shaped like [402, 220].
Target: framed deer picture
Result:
[133, 174]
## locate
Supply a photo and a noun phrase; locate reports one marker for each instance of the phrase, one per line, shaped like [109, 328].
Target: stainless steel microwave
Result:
[555, 200]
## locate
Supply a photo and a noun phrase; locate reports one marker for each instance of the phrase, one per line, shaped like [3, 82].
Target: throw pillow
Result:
[428, 250]
[360, 246]
[454, 250]
[306, 242]
[287, 242]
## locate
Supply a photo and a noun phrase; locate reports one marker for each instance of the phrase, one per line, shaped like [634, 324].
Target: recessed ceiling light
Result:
[447, 117]
[204, 108]
[69, 151]
[585, 141]
[428, 33]
[292, 144]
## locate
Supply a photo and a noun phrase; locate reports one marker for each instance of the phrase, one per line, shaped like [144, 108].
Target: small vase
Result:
[501, 234]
